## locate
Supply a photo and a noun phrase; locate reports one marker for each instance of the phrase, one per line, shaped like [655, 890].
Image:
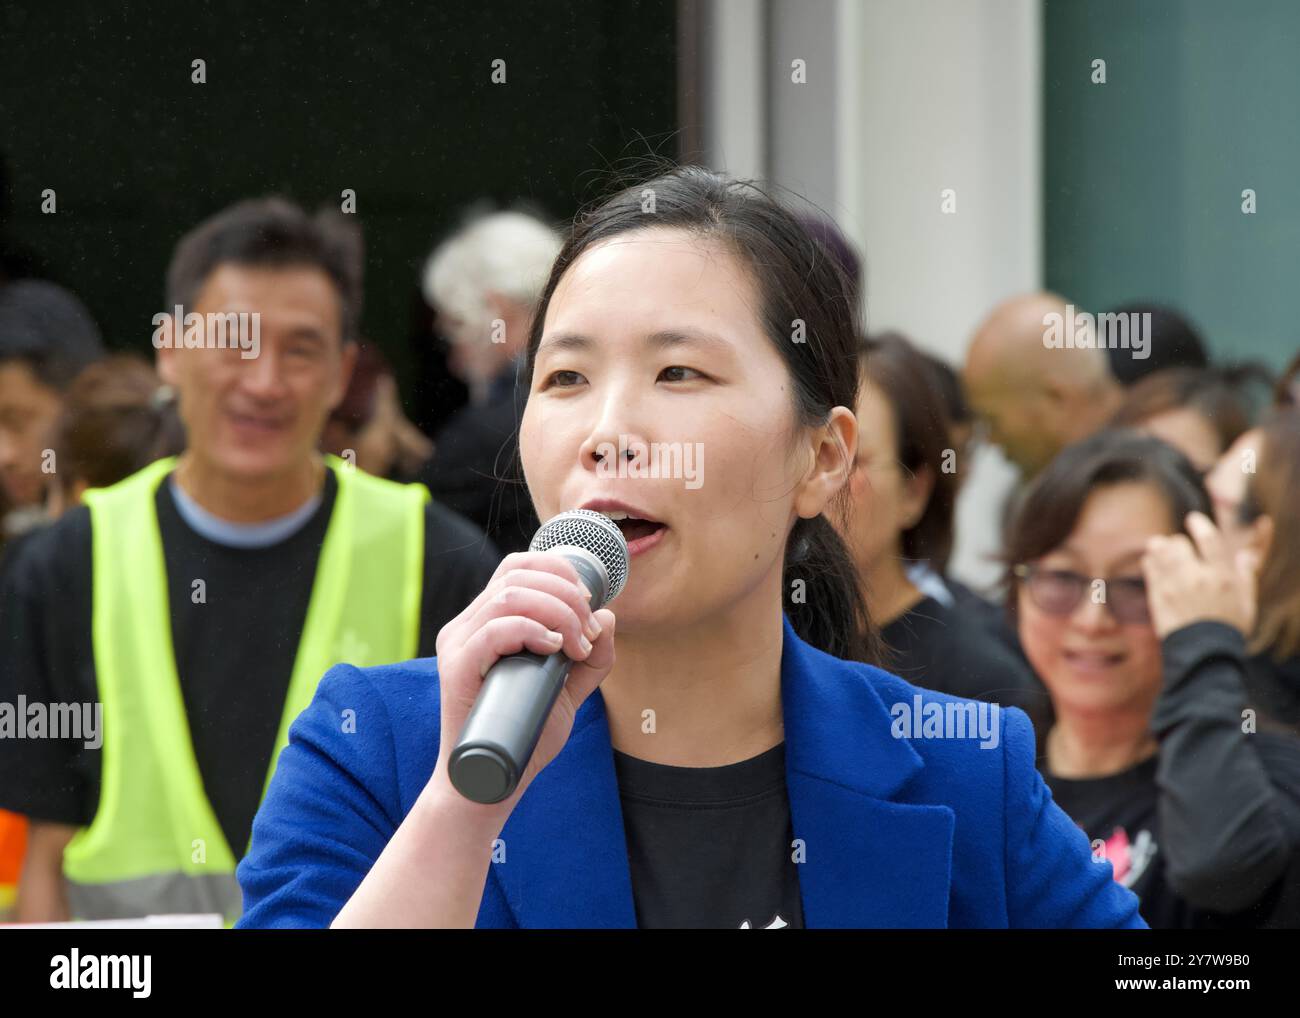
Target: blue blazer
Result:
[907, 831]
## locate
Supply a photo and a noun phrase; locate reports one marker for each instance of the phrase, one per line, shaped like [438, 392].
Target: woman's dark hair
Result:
[1174, 343]
[1274, 490]
[1287, 390]
[798, 281]
[1217, 394]
[950, 390]
[1047, 512]
[901, 372]
[116, 420]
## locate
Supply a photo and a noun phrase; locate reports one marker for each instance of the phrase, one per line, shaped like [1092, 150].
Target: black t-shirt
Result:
[1120, 810]
[471, 470]
[1228, 795]
[952, 651]
[710, 847]
[234, 652]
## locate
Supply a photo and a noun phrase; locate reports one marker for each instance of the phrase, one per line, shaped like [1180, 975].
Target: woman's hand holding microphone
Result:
[433, 870]
[534, 602]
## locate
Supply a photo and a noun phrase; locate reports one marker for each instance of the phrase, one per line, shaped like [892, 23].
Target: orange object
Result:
[13, 846]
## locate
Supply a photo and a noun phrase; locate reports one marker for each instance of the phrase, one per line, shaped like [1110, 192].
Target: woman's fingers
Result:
[1209, 542]
[575, 595]
[552, 612]
[1188, 582]
[1168, 559]
[586, 675]
[508, 635]
[513, 566]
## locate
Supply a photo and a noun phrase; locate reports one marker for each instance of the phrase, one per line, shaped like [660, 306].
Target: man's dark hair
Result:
[49, 329]
[1175, 343]
[271, 233]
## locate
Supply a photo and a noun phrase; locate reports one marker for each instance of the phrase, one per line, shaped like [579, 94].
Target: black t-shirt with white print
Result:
[1244, 788]
[1120, 811]
[710, 847]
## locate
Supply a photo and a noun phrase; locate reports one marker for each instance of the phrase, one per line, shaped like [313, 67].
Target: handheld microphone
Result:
[519, 691]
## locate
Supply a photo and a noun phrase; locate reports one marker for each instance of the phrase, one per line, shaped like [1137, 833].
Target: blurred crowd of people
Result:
[1148, 621]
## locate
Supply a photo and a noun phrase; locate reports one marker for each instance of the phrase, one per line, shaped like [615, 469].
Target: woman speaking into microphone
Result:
[722, 755]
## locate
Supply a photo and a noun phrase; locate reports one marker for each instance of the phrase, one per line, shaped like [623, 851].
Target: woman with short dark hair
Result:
[1132, 608]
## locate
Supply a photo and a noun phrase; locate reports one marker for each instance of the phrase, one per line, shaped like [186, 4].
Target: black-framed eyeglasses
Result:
[1059, 591]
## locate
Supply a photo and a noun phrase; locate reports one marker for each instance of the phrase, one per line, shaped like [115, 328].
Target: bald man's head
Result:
[1037, 396]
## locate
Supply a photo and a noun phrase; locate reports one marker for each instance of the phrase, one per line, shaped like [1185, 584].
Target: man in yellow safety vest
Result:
[163, 637]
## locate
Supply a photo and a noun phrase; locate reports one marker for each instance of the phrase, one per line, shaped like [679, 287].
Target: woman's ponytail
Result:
[823, 596]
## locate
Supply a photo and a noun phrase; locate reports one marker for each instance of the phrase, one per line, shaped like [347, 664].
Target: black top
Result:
[710, 847]
[951, 650]
[473, 469]
[1274, 688]
[234, 653]
[1207, 831]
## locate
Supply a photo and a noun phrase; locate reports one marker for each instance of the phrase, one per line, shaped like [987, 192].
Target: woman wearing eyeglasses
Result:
[1131, 608]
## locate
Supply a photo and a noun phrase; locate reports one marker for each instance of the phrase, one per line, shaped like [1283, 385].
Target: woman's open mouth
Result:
[641, 535]
[1092, 662]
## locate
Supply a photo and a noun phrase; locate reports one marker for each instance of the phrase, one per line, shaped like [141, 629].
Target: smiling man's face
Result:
[258, 417]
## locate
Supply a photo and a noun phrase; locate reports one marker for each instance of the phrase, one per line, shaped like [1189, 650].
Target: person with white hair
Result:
[483, 283]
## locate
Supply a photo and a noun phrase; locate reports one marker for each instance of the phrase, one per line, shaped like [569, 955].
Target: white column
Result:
[904, 99]
[734, 105]
[944, 95]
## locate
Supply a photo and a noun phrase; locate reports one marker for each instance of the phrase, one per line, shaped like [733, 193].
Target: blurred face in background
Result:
[1187, 431]
[29, 411]
[258, 417]
[887, 499]
[1228, 481]
[481, 344]
[1090, 661]
[668, 348]
[1017, 417]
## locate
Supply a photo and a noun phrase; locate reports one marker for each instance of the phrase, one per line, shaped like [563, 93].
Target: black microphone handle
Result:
[510, 712]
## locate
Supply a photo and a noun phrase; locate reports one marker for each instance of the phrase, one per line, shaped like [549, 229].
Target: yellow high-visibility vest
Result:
[154, 845]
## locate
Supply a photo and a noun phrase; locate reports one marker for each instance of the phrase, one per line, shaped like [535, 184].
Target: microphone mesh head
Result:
[594, 532]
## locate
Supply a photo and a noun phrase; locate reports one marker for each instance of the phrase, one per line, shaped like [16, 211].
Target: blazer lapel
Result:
[867, 861]
[566, 863]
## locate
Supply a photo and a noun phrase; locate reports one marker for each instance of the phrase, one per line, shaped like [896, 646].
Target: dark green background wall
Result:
[1143, 175]
[391, 99]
